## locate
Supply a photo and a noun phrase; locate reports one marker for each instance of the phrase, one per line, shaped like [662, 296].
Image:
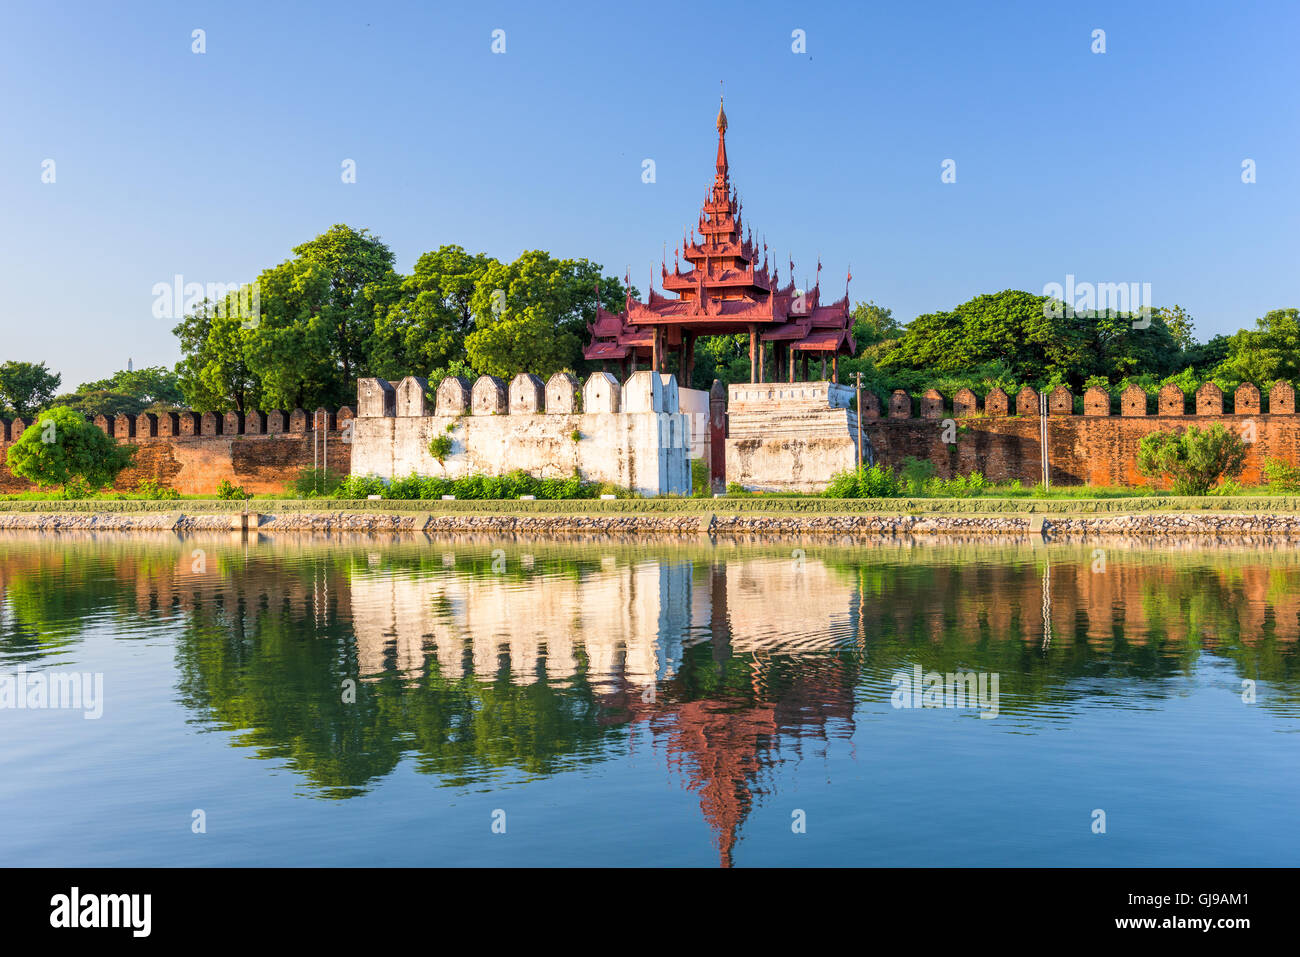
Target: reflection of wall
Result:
[630, 621]
[788, 604]
[633, 621]
[627, 620]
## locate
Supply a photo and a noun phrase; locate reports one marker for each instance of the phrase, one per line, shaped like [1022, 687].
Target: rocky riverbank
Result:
[1172, 524]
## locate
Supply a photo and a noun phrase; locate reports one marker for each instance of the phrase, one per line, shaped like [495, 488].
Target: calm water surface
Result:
[329, 701]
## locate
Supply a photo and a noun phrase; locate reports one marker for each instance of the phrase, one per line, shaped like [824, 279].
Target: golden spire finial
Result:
[722, 116]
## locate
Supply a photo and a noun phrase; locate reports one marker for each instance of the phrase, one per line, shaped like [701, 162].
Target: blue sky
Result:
[1116, 167]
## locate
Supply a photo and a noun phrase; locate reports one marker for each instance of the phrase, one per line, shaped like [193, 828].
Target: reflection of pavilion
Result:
[723, 744]
[633, 624]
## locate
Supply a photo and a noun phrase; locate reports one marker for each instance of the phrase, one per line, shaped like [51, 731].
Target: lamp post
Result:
[859, 417]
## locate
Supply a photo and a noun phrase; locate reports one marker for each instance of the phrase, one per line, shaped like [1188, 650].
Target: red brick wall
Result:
[1096, 450]
[195, 465]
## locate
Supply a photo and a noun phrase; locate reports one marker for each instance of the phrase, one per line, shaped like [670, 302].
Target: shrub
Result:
[961, 486]
[404, 488]
[699, 478]
[1281, 476]
[360, 486]
[227, 491]
[1227, 487]
[1194, 458]
[508, 486]
[876, 481]
[311, 482]
[62, 448]
[148, 488]
[440, 448]
[916, 474]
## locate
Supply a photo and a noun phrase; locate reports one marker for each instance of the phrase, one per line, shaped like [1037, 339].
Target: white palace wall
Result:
[632, 435]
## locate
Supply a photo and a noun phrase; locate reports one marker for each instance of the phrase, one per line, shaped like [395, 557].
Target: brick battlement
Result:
[1208, 400]
[193, 452]
[186, 423]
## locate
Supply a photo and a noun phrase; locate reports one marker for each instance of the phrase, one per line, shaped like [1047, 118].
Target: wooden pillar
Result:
[823, 367]
[753, 367]
[804, 373]
[789, 360]
[835, 367]
[718, 435]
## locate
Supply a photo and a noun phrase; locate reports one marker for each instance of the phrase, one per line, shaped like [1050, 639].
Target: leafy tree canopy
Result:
[26, 387]
[531, 315]
[152, 385]
[1034, 340]
[214, 374]
[129, 392]
[425, 328]
[1269, 352]
[93, 402]
[62, 448]
[318, 318]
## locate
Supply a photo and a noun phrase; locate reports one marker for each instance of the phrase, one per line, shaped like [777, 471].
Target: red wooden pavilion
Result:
[723, 291]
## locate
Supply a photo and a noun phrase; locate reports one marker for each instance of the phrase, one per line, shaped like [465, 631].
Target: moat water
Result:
[350, 701]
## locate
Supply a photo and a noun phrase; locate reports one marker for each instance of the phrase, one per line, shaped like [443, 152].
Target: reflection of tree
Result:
[279, 677]
[51, 594]
[1144, 618]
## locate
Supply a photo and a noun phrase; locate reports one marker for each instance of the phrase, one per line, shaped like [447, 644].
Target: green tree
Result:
[26, 387]
[214, 374]
[531, 315]
[61, 448]
[318, 318]
[1035, 338]
[1266, 353]
[425, 328]
[725, 358]
[93, 402]
[152, 385]
[1196, 459]
[129, 392]
[1180, 325]
[873, 324]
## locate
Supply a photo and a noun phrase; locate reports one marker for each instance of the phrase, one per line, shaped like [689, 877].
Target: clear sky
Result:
[1122, 166]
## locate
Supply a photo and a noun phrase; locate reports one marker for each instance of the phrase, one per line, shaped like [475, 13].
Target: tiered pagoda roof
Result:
[722, 290]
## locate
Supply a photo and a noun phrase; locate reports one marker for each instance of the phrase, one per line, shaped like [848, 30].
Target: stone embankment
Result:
[1170, 524]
